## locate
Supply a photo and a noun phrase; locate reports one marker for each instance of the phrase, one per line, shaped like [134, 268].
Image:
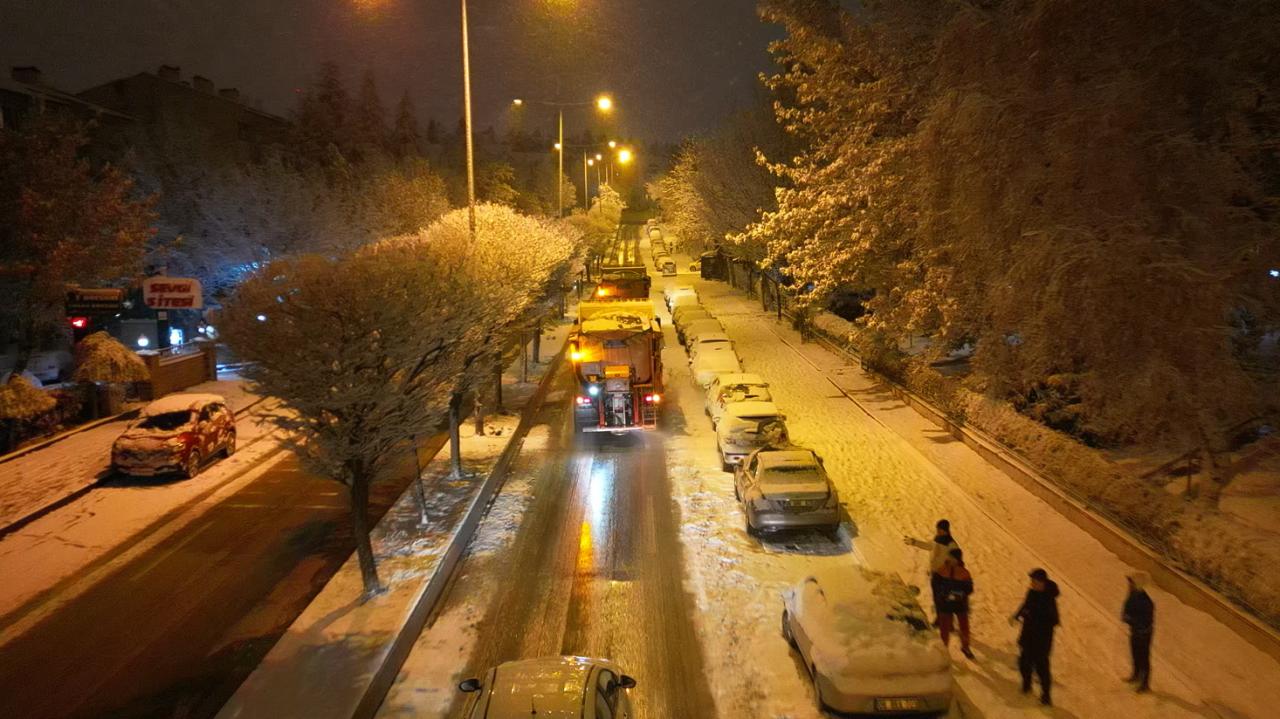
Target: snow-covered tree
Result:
[20, 404]
[514, 269]
[62, 222]
[102, 358]
[362, 350]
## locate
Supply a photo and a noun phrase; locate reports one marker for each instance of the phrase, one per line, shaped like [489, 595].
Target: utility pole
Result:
[466, 95]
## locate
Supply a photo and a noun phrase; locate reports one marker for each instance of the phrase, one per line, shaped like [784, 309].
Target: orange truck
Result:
[616, 349]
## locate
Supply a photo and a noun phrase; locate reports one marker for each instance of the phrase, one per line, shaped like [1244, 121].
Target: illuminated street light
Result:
[613, 144]
[558, 146]
[517, 102]
[604, 103]
[625, 156]
[599, 156]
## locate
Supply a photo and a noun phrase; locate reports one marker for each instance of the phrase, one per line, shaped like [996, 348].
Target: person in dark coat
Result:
[939, 548]
[1039, 617]
[956, 584]
[1140, 614]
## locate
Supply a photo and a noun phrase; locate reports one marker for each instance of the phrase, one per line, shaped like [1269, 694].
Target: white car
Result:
[687, 313]
[746, 427]
[708, 342]
[710, 365]
[576, 687]
[697, 326]
[672, 292]
[867, 644]
[729, 388]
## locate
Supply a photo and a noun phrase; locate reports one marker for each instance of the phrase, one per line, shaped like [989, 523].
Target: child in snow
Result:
[1039, 617]
[1140, 614]
[939, 550]
[953, 601]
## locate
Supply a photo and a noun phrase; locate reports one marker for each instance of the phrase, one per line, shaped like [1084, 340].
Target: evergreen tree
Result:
[406, 136]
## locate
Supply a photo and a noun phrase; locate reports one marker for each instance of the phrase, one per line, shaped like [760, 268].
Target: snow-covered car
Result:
[177, 433]
[747, 426]
[708, 342]
[577, 687]
[730, 388]
[670, 293]
[785, 487]
[687, 313]
[696, 324]
[867, 644]
[710, 365]
[683, 301]
[667, 266]
[655, 233]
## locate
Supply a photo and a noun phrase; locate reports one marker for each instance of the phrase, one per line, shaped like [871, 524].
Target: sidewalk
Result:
[344, 645]
[44, 476]
[897, 474]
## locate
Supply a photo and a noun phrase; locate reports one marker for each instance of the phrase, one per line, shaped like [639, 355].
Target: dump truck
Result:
[616, 350]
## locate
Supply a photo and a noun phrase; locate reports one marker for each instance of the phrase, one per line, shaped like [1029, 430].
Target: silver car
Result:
[729, 389]
[867, 644]
[786, 488]
[552, 687]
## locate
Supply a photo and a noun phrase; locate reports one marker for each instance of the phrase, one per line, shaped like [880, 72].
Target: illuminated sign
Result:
[172, 293]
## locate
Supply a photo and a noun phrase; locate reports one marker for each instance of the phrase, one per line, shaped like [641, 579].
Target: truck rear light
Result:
[653, 398]
[582, 401]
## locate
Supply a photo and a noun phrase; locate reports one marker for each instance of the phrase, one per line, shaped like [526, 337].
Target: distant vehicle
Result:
[667, 266]
[709, 342]
[712, 266]
[655, 233]
[709, 365]
[48, 367]
[177, 433]
[747, 426]
[659, 258]
[616, 350]
[867, 644]
[673, 291]
[623, 283]
[695, 266]
[577, 687]
[683, 300]
[730, 388]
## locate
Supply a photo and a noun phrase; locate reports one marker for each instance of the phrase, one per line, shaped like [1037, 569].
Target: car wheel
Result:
[192, 466]
[725, 466]
[230, 449]
[751, 531]
[786, 629]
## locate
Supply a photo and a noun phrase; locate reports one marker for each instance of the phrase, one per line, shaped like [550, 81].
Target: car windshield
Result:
[165, 421]
[800, 474]
[741, 392]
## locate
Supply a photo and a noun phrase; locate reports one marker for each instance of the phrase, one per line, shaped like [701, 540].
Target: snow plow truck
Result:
[616, 349]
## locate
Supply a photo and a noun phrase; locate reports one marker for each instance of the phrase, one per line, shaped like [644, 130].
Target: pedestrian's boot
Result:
[1026, 686]
[967, 652]
[1131, 678]
[1044, 699]
[1144, 688]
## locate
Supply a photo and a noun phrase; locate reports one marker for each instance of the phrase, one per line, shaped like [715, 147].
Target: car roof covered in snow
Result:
[752, 408]
[736, 378]
[554, 685]
[712, 337]
[786, 457]
[180, 403]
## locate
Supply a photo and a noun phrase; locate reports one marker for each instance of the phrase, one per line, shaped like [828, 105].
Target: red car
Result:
[178, 434]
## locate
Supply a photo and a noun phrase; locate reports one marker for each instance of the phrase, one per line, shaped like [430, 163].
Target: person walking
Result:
[953, 602]
[1140, 614]
[939, 548]
[1039, 617]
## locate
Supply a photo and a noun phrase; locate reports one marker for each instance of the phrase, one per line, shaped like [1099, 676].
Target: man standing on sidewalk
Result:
[953, 600]
[1140, 614]
[1039, 617]
[939, 549]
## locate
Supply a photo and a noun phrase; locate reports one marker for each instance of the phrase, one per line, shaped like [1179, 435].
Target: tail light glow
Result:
[583, 401]
[653, 398]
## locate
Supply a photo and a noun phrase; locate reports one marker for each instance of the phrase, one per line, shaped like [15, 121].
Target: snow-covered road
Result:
[898, 474]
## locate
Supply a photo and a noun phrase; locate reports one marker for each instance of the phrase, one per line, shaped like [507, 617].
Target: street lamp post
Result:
[603, 103]
[466, 98]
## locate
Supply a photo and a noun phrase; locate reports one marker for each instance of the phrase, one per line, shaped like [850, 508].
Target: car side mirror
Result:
[469, 685]
[626, 682]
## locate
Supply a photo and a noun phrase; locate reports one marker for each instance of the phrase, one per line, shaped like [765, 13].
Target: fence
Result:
[173, 372]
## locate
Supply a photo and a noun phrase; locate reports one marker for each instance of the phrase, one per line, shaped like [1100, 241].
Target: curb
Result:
[66, 499]
[425, 606]
[1130, 549]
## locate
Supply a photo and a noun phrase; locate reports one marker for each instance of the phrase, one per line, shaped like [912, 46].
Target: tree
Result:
[101, 358]
[369, 123]
[496, 184]
[62, 222]
[20, 403]
[515, 267]
[362, 352]
[323, 117]
[405, 137]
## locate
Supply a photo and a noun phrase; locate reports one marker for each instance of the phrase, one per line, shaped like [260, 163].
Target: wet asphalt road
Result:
[174, 632]
[595, 569]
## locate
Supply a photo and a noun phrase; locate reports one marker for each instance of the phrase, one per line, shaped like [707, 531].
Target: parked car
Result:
[177, 433]
[551, 687]
[709, 342]
[659, 256]
[655, 233]
[786, 487]
[697, 328]
[667, 266]
[683, 301]
[867, 644]
[729, 388]
[710, 365]
[689, 319]
[673, 291]
[747, 426]
[685, 313]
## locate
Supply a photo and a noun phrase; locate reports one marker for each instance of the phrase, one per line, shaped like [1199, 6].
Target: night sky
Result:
[676, 67]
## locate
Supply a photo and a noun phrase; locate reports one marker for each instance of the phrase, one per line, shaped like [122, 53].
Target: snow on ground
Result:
[34, 480]
[897, 474]
[71, 541]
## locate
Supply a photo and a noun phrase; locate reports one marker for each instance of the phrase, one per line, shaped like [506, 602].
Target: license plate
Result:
[803, 504]
[899, 705]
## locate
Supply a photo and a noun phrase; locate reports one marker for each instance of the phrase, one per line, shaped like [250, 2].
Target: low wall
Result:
[171, 373]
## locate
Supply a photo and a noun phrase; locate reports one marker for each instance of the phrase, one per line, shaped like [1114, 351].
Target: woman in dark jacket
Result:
[955, 584]
[1039, 617]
